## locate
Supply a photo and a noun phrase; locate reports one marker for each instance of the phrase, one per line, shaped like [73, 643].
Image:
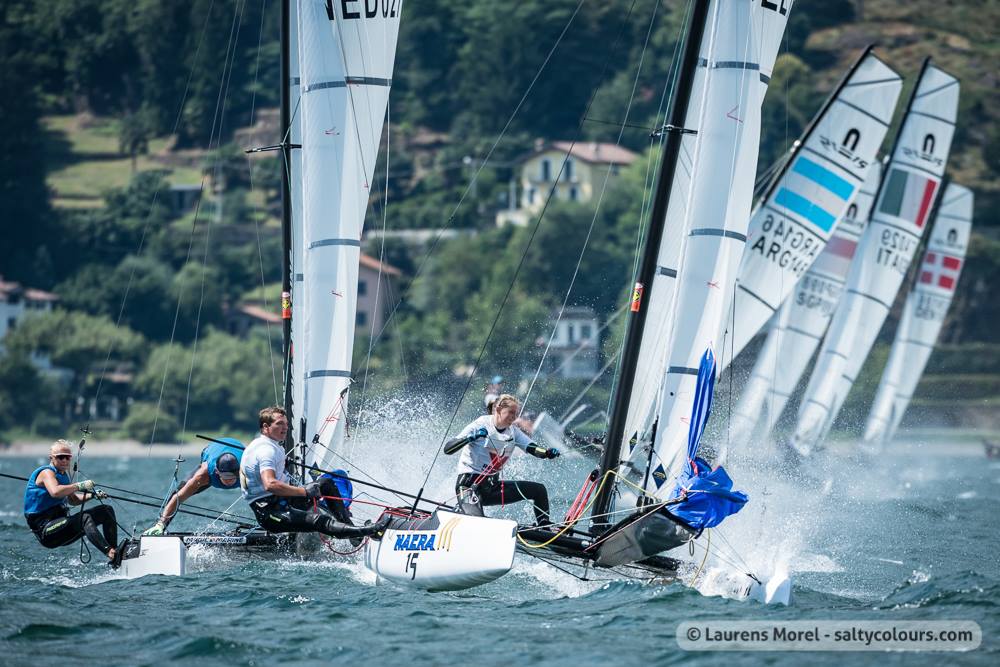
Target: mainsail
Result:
[898, 221]
[346, 56]
[737, 49]
[801, 323]
[800, 209]
[924, 312]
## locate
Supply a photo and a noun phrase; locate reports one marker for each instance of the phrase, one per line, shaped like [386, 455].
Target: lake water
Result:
[911, 535]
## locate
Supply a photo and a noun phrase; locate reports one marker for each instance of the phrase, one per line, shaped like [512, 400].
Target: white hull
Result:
[451, 552]
[154, 555]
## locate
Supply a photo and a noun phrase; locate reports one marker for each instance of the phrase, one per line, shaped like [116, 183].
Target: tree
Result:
[85, 344]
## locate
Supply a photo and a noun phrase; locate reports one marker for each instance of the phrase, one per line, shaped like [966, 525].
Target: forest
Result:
[106, 104]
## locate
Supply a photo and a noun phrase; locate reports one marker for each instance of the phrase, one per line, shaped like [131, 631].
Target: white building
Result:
[574, 351]
[587, 165]
[17, 301]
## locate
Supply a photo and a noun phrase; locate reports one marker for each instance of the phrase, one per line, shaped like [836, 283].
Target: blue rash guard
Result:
[37, 500]
[211, 454]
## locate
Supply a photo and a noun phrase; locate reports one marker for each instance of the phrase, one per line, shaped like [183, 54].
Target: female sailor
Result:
[486, 445]
[46, 497]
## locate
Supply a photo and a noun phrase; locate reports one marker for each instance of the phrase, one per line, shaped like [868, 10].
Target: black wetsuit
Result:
[57, 528]
[491, 490]
[302, 515]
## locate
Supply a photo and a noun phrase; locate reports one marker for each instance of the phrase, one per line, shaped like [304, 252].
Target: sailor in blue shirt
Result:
[220, 469]
[47, 496]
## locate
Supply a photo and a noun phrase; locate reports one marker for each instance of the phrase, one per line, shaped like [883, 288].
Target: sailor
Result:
[46, 496]
[486, 445]
[220, 469]
[283, 507]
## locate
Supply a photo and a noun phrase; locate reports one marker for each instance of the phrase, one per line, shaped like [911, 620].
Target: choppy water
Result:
[910, 536]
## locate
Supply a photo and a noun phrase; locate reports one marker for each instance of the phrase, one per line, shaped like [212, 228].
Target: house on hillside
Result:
[17, 301]
[574, 353]
[375, 302]
[580, 179]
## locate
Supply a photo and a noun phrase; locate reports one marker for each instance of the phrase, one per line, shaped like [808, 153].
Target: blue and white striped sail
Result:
[898, 222]
[799, 213]
[737, 55]
[346, 56]
[801, 324]
[924, 313]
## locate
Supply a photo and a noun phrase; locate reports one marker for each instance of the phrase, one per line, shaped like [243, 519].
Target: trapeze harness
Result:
[49, 518]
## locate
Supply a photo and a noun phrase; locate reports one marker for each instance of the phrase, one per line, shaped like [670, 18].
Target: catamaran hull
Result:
[641, 536]
[153, 555]
[446, 552]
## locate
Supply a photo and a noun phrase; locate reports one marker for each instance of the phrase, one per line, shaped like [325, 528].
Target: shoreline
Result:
[107, 448]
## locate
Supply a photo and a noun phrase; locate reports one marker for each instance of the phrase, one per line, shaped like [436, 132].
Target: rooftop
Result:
[8, 289]
[594, 152]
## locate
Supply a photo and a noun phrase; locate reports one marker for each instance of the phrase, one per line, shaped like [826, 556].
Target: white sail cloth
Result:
[795, 220]
[924, 313]
[346, 56]
[898, 222]
[737, 51]
[801, 323]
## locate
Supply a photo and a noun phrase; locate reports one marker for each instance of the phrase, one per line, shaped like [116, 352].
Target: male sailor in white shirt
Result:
[282, 507]
[486, 445]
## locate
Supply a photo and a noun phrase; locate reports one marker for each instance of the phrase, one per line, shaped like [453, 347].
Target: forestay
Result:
[801, 323]
[346, 54]
[737, 55]
[897, 224]
[924, 313]
[799, 211]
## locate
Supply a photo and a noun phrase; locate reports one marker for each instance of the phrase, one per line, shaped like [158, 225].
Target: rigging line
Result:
[180, 293]
[256, 208]
[152, 204]
[597, 208]
[220, 110]
[381, 259]
[475, 176]
[531, 238]
[593, 381]
[649, 182]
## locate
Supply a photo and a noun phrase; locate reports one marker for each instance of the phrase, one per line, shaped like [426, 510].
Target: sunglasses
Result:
[63, 456]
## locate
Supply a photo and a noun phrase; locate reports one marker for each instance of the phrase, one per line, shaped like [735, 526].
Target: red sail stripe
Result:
[925, 203]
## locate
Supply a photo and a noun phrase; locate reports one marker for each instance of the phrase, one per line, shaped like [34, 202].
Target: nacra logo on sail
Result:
[369, 9]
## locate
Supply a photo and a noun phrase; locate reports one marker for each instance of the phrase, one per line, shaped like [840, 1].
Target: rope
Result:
[703, 560]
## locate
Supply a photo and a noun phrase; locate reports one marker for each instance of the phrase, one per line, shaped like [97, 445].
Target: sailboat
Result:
[336, 73]
[898, 222]
[652, 493]
[799, 211]
[801, 324]
[923, 315]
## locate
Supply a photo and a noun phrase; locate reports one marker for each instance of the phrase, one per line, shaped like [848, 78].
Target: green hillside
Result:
[109, 103]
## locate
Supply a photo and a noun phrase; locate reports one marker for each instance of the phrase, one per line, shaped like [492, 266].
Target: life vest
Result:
[36, 496]
[211, 454]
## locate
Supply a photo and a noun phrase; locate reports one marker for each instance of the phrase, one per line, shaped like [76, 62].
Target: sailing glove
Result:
[313, 490]
[158, 529]
[551, 453]
[85, 485]
[479, 433]
[100, 495]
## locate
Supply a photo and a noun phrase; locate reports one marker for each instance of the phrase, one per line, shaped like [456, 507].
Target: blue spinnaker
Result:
[708, 494]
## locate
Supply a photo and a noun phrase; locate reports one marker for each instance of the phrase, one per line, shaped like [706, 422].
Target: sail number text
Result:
[895, 249]
[786, 244]
[355, 9]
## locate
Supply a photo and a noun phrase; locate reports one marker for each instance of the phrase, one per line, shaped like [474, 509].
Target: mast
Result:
[807, 133]
[637, 313]
[286, 218]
